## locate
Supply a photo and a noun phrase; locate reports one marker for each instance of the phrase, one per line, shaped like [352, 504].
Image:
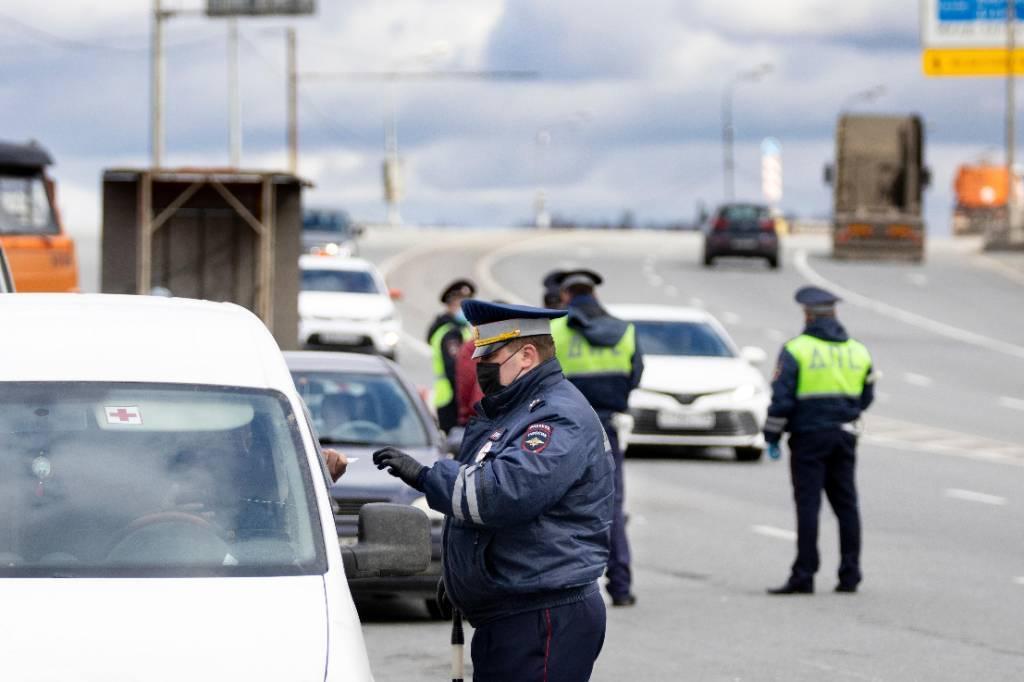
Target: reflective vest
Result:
[444, 392]
[578, 358]
[829, 369]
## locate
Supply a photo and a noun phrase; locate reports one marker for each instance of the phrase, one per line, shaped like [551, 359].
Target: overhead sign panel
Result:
[234, 8]
[968, 37]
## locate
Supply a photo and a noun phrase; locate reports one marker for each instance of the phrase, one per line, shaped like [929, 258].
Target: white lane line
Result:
[773, 532]
[905, 316]
[731, 318]
[1019, 580]
[1011, 403]
[917, 379]
[971, 496]
[1000, 267]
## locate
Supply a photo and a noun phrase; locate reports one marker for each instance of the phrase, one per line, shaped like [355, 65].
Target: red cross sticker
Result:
[130, 416]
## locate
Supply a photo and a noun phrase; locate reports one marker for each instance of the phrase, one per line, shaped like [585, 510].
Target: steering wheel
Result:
[139, 533]
[360, 429]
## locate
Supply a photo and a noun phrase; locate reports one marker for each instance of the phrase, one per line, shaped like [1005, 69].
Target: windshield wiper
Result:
[326, 440]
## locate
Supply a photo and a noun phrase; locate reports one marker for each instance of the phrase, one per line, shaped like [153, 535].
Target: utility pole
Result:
[293, 104]
[728, 134]
[1012, 210]
[234, 96]
[156, 147]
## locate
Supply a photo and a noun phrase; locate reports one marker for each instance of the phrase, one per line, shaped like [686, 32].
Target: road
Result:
[941, 469]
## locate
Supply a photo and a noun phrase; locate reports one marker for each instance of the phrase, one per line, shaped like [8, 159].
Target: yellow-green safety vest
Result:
[829, 368]
[579, 358]
[444, 392]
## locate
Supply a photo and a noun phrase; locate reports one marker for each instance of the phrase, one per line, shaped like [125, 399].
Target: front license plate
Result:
[744, 244]
[692, 421]
[341, 339]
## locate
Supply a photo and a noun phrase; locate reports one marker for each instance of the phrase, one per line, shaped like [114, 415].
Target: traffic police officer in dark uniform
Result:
[528, 506]
[552, 296]
[600, 356]
[823, 382]
[446, 335]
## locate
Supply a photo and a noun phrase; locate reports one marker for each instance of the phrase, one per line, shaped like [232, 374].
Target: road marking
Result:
[1011, 403]
[1019, 580]
[971, 496]
[655, 280]
[918, 279]
[731, 318]
[773, 532]
[905, 316]
[902, 435]
[671, 290]
[1000, 267]
[882, 396]
[917, 379]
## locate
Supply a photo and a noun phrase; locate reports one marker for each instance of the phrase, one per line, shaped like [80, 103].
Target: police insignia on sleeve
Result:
[537, 438]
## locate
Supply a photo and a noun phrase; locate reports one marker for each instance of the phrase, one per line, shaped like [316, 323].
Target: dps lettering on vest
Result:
[581, 358]
[829, 368]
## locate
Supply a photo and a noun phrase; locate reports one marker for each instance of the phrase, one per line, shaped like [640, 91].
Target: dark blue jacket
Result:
[786, 413]
[607, 394]
[529, 501]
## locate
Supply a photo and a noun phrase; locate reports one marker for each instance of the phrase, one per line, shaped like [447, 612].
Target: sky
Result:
[625, 112]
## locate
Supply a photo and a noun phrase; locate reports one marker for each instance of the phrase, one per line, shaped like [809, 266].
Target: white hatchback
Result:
[166, 513]
[698, 389]
[344, 302]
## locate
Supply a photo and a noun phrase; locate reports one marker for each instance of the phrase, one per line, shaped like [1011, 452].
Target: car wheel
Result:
[748, 454]
[434, 610]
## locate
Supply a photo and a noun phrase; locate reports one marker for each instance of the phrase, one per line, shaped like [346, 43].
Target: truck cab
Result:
[40, 254]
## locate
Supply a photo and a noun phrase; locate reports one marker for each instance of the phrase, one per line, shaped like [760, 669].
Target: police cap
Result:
[495, 324]
[460, 287]
[582, 276]
[816, 298]
[552, 290]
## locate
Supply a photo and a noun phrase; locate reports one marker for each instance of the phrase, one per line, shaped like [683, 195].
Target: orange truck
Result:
[981, 191]
[41, 255]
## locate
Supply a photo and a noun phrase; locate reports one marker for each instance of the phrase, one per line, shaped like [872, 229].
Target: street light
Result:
[750, 76]
[542, 140]
[866, 96]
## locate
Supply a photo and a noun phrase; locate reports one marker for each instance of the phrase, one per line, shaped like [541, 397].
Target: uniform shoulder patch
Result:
[537, 438]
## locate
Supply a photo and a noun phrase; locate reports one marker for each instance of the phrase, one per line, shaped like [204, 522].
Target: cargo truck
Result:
[981, 191]
[40, 254]
[877, 184]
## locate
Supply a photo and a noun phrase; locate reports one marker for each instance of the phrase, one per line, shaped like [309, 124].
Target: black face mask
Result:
[488, 375]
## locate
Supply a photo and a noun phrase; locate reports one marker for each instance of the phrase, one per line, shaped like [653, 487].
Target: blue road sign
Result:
[976, 10]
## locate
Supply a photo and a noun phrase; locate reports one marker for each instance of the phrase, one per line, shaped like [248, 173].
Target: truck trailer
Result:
[877, 184]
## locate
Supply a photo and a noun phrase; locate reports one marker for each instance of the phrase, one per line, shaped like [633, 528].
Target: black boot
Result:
[791, 587]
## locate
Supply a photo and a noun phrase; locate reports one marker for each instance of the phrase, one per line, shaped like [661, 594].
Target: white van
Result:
[163, 502]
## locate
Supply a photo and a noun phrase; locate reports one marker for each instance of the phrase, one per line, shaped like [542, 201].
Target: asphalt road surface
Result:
[941, 469]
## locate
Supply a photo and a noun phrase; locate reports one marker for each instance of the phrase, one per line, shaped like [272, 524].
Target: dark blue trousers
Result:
[559, 644]
[620, 578]
[825, 460]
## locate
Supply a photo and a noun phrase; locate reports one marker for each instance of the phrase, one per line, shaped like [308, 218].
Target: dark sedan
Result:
[359, 403]
[744, 230]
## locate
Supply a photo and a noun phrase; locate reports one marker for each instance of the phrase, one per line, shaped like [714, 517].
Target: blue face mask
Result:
[460, 317]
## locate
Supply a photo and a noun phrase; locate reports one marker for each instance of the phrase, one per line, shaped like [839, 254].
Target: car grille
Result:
[350, 506]
[727, 423]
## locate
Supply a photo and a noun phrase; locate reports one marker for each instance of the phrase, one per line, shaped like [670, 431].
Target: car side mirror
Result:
[753, 355]
[394, 540]
[395, 294]
[829, 174]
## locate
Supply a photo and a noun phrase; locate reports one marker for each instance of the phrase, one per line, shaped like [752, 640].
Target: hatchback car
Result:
[164, 500]
[745, 230]
[698, 389]
[360, 403]
[343, 302]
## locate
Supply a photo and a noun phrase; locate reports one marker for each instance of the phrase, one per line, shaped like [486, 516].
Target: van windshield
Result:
[145, 480]
[25, 206]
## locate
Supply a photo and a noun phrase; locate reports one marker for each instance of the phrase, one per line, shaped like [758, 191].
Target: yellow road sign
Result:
[970, 62]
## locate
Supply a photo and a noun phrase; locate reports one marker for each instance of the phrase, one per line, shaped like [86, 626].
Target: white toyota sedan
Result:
[698, 389]
[165, 507]
[344, 302]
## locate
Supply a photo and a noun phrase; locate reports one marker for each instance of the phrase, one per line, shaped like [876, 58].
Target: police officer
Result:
[528, 505]
[446, 335]
[552, 296]
[600, 356]
[822, 384]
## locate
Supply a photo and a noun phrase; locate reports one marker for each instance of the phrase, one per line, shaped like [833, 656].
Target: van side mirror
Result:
[394, 540]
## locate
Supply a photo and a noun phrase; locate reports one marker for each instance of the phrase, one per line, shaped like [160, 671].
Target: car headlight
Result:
[747, 392]
[391, 338]
[435, 516]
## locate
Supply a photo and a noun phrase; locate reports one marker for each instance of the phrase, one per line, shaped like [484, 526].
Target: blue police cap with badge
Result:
[495, 324]
[816, 299]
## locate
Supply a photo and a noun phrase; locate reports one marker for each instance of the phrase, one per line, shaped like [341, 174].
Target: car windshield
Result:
[745, 216]
[336, 222]
[25, 206]
[139, 480]
[339, 281]
[681, 338]
[361, 409]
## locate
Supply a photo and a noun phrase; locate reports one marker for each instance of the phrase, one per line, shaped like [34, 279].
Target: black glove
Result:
[401, 465]
[444, 605]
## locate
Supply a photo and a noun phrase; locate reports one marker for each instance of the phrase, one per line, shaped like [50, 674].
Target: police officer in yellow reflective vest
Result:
[823, 382]
[446, 335]
[600, 356]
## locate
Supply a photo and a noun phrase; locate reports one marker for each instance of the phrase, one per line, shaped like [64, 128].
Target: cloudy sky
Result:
[630, 94]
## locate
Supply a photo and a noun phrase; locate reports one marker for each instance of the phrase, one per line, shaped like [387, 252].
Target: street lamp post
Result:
[728, 133]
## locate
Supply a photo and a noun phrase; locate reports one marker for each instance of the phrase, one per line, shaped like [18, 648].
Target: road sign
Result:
[771, 170]
[231, 8]
[965, 62]
[970, 24]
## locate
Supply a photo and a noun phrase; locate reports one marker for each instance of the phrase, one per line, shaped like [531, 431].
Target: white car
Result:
[344, 302]
[166, 513]
[698, 389]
